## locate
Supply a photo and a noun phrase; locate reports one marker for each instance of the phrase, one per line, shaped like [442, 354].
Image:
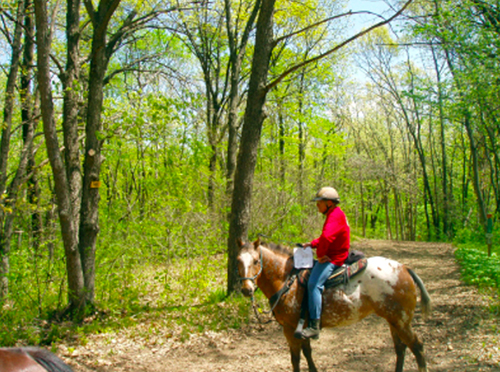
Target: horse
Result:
[30, 359]
[386, 288]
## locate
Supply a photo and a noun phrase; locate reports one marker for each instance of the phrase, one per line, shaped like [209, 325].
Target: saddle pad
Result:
[339, 276]
[342, 275]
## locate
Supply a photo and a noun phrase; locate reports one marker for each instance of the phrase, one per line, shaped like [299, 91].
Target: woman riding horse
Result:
[386, 288]
[332, 250]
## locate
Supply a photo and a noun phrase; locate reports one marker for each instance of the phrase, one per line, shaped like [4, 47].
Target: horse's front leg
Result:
[295, 346]
[306, 349]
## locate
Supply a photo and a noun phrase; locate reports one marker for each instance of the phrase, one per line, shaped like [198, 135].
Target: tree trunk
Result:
[444, 166]
[281, 146]
[8, 113]
[68, 226]
[70, 80]
[29, 123]
[236, 55]
[89, 212]
[250, 138]
[472, 145]
[302, 140]
[363, 212]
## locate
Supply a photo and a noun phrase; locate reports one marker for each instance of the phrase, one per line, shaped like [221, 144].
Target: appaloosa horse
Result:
[386, 288]
[30, 359]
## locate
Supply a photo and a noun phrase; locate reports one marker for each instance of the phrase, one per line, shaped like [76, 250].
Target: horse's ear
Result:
[240, 242]
[257, 242]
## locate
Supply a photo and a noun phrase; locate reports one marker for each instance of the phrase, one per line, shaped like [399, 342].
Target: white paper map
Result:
[303, 258]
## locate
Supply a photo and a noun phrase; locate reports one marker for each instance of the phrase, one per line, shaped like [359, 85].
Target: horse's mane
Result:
[278, 248]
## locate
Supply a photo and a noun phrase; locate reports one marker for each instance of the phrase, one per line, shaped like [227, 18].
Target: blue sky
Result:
[375, 6]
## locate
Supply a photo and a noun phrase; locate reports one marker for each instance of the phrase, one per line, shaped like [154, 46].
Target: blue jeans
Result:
[315, 286]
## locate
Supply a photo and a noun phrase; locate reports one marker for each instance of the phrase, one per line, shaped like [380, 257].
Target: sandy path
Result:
[461, 334]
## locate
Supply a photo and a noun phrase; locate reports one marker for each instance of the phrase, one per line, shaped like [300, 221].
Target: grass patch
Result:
[147, 303]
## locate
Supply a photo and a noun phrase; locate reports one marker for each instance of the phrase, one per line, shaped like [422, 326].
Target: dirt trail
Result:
[461, 335]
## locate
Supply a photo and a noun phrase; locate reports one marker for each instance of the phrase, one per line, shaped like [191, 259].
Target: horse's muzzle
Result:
[247, 290]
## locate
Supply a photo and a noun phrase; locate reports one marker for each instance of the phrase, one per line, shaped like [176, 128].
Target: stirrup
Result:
[312, 331]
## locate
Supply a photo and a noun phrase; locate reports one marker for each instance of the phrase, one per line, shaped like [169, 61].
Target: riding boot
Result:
[312, 331]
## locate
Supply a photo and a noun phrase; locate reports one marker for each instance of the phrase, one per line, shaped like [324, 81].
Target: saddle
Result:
[355, 263]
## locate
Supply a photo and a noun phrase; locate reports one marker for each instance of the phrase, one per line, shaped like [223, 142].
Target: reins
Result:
[273, 301]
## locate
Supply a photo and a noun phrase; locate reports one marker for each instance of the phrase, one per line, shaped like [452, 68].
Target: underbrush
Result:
[480, 270]
[161, 302]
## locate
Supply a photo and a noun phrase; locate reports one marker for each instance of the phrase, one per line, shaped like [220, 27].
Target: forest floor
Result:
[461, 334]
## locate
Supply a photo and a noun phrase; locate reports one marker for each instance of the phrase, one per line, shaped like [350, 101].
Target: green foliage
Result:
[476, 267]
[479, 269]
[187, 295]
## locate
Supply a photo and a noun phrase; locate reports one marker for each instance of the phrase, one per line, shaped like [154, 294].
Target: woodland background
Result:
[122, 122]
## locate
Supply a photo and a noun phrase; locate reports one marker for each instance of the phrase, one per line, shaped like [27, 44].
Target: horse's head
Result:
[249, 265]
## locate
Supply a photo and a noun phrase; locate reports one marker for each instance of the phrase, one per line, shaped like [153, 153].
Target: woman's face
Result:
[322, 206]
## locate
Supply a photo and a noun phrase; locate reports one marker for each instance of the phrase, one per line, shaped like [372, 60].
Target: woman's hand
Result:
[305, 245]
[324, 259]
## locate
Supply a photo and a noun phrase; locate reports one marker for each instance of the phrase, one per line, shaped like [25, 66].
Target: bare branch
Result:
[326, 20]
[337, 47]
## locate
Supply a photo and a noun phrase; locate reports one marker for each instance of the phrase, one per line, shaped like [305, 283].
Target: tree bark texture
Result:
[68, 227]
[89, 212]
[70, 79]
[250, 138]
[236, 55]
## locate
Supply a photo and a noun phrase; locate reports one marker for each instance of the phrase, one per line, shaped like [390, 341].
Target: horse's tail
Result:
[425, 299]
[47, 360]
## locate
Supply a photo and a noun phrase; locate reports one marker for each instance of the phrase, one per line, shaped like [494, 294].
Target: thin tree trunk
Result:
[444, 161]
[387, 213]
[8, 113]
[475, 170]
[30, 123]
[472, 145]
[302, 145]
[363, 212]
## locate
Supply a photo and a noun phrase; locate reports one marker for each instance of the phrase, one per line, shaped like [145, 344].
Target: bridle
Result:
[256, 275]
[275, 298]
[256, 309]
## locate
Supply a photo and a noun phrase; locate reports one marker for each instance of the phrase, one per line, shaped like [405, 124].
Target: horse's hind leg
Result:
[407, 336]
[400, 348]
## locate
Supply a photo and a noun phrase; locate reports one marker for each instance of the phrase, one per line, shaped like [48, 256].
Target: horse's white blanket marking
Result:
[376, 281]
[380, 277]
